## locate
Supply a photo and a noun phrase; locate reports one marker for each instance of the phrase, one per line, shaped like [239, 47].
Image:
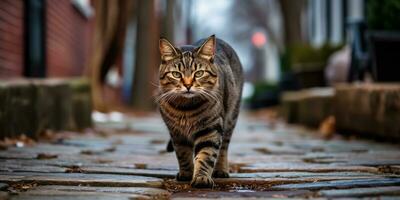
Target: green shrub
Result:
[307, 55]
[383, 14]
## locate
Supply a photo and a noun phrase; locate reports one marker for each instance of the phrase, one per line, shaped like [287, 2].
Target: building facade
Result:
[44, 38]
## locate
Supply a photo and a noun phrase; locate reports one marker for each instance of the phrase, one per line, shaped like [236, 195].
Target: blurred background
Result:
[284, 45]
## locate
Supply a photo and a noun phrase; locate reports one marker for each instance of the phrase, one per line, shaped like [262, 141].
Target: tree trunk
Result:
[292, 16]
[147, 57]
[168, 29]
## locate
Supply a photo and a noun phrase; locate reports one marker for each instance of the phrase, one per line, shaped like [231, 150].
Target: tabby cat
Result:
[199, 96]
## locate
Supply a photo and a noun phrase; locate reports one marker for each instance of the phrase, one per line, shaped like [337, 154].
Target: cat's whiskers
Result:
[155, 84]
[164, 96]
[208, 95]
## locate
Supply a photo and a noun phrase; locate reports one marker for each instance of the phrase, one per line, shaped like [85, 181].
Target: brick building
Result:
[44, 38]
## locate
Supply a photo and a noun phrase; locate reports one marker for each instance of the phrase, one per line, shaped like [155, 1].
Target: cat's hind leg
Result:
[221, 169]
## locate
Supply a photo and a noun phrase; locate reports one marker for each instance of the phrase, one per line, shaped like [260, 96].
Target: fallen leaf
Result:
[263, 150]
[140, 165]
[328, 127]
[90, 152]
[44, 156]
[157, 141]
[111, 149]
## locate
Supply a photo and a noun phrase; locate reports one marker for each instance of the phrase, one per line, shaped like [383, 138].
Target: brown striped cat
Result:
[199, 96]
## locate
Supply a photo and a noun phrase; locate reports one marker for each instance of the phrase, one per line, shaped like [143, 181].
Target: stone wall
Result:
[31, 106]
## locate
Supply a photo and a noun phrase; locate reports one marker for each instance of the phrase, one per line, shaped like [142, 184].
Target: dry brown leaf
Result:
[110, 149]
[328, 127]
[44, 156]
[262, 150]
[140, 165]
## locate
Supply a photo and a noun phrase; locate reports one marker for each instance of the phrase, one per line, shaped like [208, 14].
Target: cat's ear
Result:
[167, 50]
[207, 49]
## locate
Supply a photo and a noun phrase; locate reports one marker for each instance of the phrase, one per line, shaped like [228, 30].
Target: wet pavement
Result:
[268, 159]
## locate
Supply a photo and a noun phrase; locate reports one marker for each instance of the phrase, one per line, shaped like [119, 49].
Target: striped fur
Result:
[199, 98]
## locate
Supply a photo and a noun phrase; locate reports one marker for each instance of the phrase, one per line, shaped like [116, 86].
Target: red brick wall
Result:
[11, 38]
[68, 39]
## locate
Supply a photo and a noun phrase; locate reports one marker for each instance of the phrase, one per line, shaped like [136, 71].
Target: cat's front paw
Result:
[183, 176]
[220, 174]
[202, 182]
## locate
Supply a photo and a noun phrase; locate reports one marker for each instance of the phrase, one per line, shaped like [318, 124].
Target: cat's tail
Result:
[170, 147]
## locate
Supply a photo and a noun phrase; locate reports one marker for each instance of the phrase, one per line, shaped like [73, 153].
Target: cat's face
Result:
[188, 74]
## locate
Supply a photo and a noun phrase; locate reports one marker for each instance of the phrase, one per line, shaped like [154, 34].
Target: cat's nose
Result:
[188, 86]
[187, 82]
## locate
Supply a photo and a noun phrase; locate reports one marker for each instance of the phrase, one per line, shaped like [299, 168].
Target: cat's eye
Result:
[199, 74]
[176, 74]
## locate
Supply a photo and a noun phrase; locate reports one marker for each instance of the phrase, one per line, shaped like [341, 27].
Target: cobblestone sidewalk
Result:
[127, 160]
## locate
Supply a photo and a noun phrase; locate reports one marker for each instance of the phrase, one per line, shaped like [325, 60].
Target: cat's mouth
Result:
[188, 94]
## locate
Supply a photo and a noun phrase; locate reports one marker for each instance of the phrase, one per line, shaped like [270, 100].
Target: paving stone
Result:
[142, 191]
[303, 175]
[82, 179]
[240, 194]
[381, 197]
[34, 168]
[342, 184]
[362, 192]
[303, 167]
[125, 171]
[68, 195]
[250, 182]
[371, 158]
